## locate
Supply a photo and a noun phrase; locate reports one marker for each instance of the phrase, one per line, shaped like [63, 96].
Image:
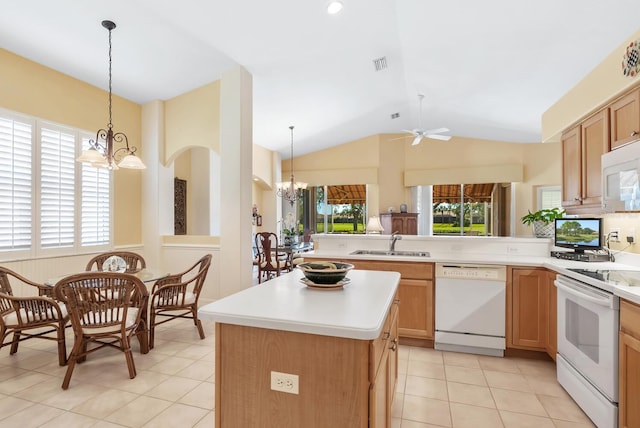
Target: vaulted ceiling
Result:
[488, 69]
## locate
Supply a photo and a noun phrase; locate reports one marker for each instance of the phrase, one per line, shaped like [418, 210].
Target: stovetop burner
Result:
[622, 277]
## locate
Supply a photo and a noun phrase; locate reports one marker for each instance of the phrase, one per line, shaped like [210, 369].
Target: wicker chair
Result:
[106, 309]
[176, 296]
[30, 317]
[134, 261]
[271, 259]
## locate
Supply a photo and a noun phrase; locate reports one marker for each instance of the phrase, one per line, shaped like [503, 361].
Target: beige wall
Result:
[382, 161]
[44, 93]
[600, 85]
[192, 119]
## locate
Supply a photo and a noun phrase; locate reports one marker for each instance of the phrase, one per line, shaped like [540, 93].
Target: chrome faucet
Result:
[392, 241]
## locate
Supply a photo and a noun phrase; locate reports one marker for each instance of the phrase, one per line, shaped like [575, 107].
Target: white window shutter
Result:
[57, 188]
[15, 184]
[96, 202]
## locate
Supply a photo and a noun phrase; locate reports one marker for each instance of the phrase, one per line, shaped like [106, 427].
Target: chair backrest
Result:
[267, 245]
[133, 260]
[203, 268]
[5, 284]
[99, 299]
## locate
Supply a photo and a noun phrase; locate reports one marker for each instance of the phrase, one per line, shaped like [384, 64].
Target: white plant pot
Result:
[542, 230]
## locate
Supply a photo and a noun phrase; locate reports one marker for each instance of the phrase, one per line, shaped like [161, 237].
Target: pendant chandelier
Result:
[101, 152]
[291, 190]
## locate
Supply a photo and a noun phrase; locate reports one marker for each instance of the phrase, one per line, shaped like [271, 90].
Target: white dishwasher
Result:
[470, 308]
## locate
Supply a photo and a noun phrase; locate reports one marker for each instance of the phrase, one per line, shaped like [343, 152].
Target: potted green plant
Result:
[542, 221]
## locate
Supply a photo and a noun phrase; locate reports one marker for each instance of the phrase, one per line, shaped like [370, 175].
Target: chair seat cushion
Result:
[189, 298]
[11, 318]
[107, 317]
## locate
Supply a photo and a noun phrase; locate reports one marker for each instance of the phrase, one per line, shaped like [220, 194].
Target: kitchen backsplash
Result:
[627, 224]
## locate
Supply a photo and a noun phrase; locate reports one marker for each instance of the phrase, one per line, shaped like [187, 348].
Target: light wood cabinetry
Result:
[582, 148]
[527, 308]
[403, 223]
[416, 295]
[625, 119]
[342, 382]
[384, 374]
[552, 309]
[594, 143]
[629, 365]
[571, 167]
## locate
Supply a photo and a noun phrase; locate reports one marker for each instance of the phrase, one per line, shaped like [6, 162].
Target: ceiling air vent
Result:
[380, 63]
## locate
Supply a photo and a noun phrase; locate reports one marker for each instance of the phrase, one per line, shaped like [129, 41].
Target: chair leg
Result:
[15, 342]
[197, 322]
[152, 329]
[62, 346]
[71, 363]
[142, 332]
[128, 355]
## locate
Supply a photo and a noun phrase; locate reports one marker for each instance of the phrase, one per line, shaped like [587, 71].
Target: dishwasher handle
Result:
[586, 292]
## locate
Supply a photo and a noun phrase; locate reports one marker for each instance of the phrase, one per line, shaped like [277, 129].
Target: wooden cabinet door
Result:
[571, 168]
[411, 225]
[393, 359]
[379, 409]
[629, 381]
[397, 225]
[416, 317]
[625, 119]
[552, 305]
[528, 300]
[595, 142]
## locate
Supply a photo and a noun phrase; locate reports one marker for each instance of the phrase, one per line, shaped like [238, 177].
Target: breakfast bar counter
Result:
[291, 356]
[356, 311]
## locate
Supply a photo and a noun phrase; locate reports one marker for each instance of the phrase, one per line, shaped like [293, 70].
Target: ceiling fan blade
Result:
[416, 140]
[413, 132]
[438, 137]
[436, 131]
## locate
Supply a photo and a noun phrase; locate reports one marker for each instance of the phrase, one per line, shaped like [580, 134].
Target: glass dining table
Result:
[146, 275]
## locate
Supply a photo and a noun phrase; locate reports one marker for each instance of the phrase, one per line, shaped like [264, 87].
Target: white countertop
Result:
[631, 293]
[357, 311]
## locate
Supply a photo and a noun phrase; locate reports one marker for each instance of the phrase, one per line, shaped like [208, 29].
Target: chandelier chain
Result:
[110, 125]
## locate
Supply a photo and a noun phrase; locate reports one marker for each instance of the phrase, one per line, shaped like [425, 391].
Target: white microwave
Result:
[620, 179]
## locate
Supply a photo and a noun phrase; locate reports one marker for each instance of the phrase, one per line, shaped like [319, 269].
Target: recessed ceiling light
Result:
[334, 7]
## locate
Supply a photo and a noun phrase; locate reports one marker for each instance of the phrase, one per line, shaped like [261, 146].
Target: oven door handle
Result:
[584, 294]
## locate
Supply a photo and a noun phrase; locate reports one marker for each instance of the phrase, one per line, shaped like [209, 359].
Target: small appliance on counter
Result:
[583, 236]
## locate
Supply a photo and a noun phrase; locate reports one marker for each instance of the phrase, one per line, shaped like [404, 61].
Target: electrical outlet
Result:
[614, 234]
[284, 382]
[512, 250]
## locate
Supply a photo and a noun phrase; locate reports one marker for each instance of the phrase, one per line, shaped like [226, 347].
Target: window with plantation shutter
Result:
[15, 184]
[57, 188]
[49, 203]
[96, 203]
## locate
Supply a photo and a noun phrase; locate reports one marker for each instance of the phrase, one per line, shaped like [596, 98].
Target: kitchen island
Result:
[291, 356]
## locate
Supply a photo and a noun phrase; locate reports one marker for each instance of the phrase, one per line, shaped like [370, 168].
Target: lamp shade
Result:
[374, 226]
[131, 162]
[90, 155]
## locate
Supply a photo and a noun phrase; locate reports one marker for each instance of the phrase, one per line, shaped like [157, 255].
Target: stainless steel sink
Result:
[392, 253]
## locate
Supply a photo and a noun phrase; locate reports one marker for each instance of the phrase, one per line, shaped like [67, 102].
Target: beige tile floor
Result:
[174, 388]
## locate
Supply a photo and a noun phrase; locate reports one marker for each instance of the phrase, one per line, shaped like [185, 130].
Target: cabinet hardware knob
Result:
[394, 345]
[386, 335]
[634, 133]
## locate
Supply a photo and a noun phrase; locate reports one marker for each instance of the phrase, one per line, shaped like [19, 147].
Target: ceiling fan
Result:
[420, 133]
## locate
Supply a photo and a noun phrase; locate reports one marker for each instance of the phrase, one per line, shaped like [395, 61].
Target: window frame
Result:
[36, 249]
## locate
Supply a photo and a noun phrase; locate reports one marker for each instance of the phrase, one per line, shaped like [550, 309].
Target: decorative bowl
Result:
[325, 272]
